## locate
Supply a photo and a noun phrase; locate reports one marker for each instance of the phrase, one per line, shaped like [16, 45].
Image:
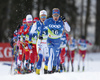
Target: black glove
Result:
[63, 18]
[19, 38]
[40, 37]
[30, 44]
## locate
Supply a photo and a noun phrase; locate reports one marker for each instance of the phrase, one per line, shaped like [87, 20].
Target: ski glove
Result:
[30, 45]
[63, 18]
[40, 37]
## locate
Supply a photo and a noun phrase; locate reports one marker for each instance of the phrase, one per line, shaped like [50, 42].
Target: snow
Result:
[92, 71]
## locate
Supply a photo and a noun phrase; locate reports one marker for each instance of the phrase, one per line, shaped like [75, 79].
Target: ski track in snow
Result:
[92, 71]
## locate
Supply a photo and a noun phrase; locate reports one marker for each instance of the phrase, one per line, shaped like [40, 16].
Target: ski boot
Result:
[58, 70]
[15, 71]
[67, 69]
[45, 69]
[49, 72]
[64, 69]
[32, 67]
[54, 69]
[22, 71]
[61, 68]
[38, 71]
[72, 69]
[27, 70]
[78, 67]
[83, 68]
[19, 70]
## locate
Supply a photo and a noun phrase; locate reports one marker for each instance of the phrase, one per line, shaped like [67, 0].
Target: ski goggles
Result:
[43, 16]
[56, 15]
[29, 21]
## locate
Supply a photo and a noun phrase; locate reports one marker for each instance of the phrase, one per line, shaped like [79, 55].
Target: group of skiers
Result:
[45, 39]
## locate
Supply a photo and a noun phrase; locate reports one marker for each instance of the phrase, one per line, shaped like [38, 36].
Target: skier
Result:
[24, 49]
[42, 48]
[71, 52]
[82, 45]
[32, 47]
[15, 46]
[64, 39]
[29, 23]
[63, 51]
[55, 28]
[20, 44]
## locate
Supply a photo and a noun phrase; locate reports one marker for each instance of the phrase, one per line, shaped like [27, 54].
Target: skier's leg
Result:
[83, 58]
[79, 59]
[56, 54]
[62, 57]
[72, 57]
[40, 54]
[68, 59]
[26, 63]
[50, 63]
[33, 57]
[46, 55]
[20, 57]
[58, 62]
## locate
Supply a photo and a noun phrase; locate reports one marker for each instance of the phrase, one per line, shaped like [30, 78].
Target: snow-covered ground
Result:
[92, 71]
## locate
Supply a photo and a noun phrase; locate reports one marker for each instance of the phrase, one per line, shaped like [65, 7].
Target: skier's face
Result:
[29, 23]
[23, 23]
[43, 17]
[56, 16]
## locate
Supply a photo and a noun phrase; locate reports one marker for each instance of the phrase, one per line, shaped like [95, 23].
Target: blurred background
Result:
[82, 16]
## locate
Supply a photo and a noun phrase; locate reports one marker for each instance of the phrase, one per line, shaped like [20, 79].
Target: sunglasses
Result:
[29, 21]
[43, 16]
[56, 15]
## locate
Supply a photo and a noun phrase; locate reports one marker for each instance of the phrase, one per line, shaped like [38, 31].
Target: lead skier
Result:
[55, 29]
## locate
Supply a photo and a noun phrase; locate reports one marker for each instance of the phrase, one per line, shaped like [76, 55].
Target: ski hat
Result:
[29, 18]
[35, 19]
[24, 20]
[56, 10]
[43, 12]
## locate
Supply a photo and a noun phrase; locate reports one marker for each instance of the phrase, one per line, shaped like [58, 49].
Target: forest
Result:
[82, 16]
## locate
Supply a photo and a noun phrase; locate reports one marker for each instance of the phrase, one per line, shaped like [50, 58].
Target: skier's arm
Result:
[26, 30]
[21, 30]
[87, 42]
[67, 27]
[34, 27]
[41, 31]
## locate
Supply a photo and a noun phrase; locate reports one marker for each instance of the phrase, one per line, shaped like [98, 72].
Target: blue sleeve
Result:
[30, 36]
[41, 31]
[45, 23]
